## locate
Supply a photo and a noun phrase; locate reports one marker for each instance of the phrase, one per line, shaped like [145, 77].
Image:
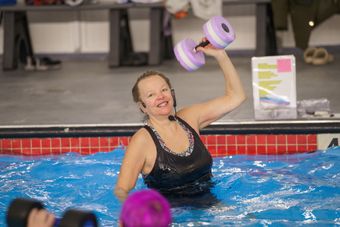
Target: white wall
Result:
[88, 31]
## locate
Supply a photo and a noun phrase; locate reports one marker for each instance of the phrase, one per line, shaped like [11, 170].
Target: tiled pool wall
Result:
[218, 145]
[261, 138]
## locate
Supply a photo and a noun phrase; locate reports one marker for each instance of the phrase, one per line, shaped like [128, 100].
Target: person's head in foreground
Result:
[145, 208]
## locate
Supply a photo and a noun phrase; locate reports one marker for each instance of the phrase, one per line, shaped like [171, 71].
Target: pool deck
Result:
[85, 92]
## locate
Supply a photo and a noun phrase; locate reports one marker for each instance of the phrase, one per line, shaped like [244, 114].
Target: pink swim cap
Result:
[146, 208]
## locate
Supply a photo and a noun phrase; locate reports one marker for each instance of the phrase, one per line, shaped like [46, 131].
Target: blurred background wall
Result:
[88, 31]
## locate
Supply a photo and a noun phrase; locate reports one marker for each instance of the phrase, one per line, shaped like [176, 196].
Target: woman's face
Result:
[155, 93]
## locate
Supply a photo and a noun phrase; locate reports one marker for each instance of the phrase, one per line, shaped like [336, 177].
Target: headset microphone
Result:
[174, 97]
[171, 118]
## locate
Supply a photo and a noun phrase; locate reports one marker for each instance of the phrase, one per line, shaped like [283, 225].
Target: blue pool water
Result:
[294, 190]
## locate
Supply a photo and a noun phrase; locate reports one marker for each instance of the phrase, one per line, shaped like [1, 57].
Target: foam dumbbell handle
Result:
[202, 44]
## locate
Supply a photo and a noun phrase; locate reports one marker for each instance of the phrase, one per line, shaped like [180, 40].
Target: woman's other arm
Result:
[132, 165]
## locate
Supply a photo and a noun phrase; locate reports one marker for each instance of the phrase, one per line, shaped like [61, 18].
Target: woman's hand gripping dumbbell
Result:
[218, 32]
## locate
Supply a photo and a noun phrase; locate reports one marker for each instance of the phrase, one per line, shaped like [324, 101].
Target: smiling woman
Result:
[147, 92]
[168, 151]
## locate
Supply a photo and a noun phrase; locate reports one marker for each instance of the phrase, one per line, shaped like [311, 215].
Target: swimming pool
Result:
[285, 190]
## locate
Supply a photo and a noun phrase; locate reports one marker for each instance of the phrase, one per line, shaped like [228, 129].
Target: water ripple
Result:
[283, 190]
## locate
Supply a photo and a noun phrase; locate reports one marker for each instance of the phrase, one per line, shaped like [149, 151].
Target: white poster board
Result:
[274, 87]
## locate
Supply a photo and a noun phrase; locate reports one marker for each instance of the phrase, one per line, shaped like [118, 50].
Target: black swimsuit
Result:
[180, 174]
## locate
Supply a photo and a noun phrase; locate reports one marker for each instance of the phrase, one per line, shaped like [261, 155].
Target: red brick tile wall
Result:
[218, 145]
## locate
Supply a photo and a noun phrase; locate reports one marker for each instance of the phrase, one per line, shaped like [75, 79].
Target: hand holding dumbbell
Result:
[218, 32]
[20, 209]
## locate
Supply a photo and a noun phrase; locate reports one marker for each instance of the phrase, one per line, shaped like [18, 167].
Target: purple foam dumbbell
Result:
[217, 31]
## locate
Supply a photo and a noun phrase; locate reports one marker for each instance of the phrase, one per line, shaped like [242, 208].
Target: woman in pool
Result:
[168, 151]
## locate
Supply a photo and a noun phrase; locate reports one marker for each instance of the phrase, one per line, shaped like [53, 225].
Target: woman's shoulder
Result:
[141, 136]
[140, 142]
[189, 118]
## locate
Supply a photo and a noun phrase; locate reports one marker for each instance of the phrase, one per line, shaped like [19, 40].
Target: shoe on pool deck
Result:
[322, 57]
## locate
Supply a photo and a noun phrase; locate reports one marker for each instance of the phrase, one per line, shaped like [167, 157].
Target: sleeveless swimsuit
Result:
[183, 174]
